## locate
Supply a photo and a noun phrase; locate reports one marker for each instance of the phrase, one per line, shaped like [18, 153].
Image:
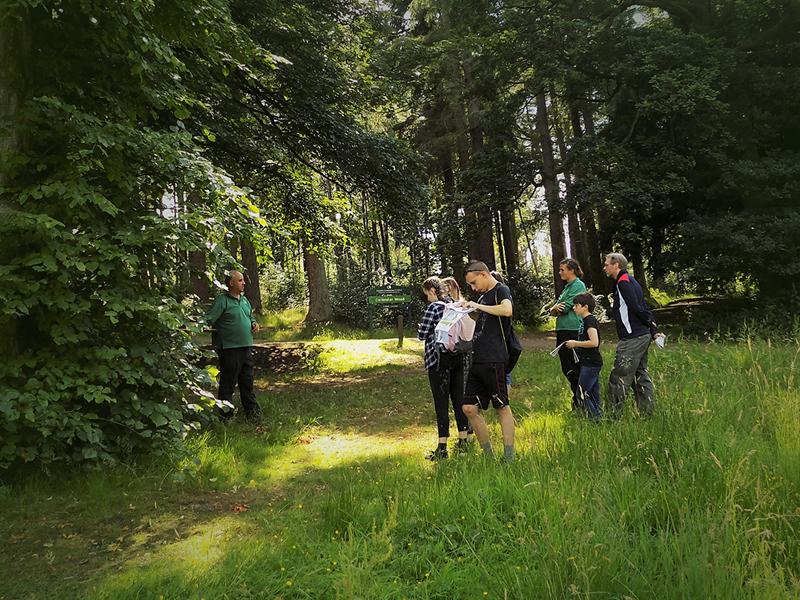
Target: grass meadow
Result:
[330, 496]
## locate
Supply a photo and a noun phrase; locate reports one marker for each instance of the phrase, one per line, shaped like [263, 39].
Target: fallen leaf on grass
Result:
[240, 507]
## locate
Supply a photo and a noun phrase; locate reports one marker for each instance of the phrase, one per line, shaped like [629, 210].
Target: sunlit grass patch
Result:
[283, 319]
[698, 501]
[288, 326]
[343, 356]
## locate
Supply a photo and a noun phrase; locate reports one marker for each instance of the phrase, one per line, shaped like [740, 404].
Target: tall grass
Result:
[700, 501]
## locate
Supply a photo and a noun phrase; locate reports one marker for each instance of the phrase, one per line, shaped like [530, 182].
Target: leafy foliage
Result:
[102, 360]
[150, 141]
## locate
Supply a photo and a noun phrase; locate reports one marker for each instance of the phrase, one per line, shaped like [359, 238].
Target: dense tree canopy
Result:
[324, 146]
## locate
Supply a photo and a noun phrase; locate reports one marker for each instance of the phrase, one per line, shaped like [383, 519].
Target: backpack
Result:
[513, 345]
[510, 341]
[455, 330]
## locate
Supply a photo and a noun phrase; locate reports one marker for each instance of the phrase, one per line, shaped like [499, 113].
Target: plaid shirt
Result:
[433, 314]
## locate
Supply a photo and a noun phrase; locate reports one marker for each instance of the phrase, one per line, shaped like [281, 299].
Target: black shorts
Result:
[486, 384]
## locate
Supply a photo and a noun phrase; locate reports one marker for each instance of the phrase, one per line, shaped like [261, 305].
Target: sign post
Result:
[389, 296]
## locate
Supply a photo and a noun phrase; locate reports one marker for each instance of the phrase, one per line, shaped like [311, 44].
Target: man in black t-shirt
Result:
[587, 346]
[486, 383]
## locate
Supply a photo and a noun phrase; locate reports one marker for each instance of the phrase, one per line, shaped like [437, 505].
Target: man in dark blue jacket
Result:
[636, 329]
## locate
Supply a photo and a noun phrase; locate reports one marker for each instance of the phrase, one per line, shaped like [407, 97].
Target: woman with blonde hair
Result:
[454, 288]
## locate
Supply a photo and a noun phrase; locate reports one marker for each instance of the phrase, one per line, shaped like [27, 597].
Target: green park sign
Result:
[390, 296]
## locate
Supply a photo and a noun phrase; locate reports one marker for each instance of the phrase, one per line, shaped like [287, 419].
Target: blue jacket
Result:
[630, 311]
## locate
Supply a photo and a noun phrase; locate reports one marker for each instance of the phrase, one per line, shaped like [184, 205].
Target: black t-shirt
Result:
[589, 357]
[489, 344]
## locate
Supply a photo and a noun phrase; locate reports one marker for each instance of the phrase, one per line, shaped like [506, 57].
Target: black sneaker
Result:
[437, 454]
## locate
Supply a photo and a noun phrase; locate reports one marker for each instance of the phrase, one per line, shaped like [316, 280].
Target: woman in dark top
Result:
[587, 346]
[445, 370]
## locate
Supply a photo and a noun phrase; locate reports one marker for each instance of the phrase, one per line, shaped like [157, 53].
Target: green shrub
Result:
[282, 289]
[97, 361]
[349, 302]
[531, 292]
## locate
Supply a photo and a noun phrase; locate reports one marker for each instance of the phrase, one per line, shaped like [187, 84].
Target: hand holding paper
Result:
[661, 340]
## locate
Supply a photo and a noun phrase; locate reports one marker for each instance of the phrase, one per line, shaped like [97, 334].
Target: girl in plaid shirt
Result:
[445, 370]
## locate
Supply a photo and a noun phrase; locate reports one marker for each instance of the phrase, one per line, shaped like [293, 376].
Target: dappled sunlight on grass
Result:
[253, 463]
[334, 449]
[339, 501]
[343, 356]
[190, 556]
[282, 319]
[198, 549]
[540, 433]
[288, 325]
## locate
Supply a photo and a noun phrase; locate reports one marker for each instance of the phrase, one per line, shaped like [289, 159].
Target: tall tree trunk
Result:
[576, 237]
[451, 230]
[16, 76]
[501, 249]
[319, 301]
[508, 224]
[368, 267]
[386, 253]
[375, 245]
[198, 280]
[252, 288]
[442, 245]
[592, 250]
[449, 240]
[600, 283]
[657, 268]
[482, 246]
[588, 118]
[234, 247]
[639, 272]
[555, 218]
[531, 247]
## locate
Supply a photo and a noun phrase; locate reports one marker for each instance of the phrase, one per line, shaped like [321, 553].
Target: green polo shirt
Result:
[233, 320]
[568, 320]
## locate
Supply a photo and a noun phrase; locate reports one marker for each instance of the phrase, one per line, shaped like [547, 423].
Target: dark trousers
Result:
[236, 366]
[630, 371]
[447, 386]
[569, 366]
[589, 391]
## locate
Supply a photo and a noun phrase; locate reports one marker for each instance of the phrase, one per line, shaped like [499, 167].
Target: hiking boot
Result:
[437, 454]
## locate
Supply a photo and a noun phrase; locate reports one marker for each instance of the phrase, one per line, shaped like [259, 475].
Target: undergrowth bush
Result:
[97, 357]
[282, 288]
[348, 296]
[531, 292]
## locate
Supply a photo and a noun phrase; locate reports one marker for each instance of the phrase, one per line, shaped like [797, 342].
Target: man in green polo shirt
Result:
[231, 316]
